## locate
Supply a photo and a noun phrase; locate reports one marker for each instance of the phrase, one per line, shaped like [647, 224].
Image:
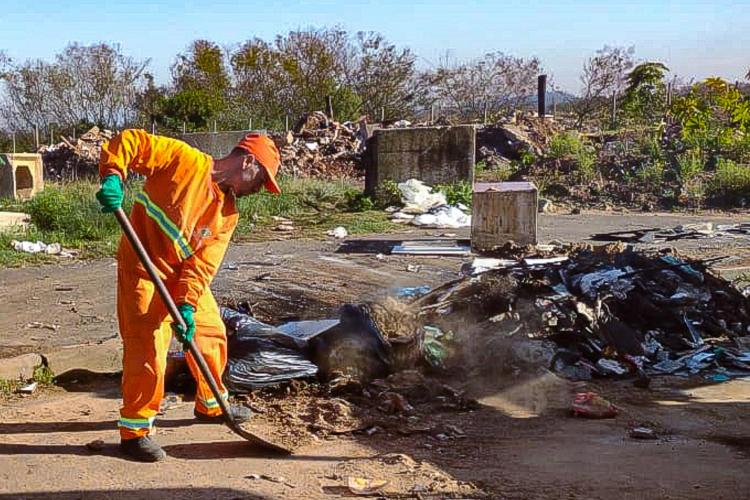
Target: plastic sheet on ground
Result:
[262, 355]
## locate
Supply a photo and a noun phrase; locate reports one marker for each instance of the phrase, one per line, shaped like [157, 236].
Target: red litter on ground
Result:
[591, 405]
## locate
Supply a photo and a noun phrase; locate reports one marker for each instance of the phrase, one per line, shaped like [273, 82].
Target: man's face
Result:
[251, 177]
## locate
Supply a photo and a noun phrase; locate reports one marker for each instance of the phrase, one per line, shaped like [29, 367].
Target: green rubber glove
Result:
[110, 195]
[185, 335]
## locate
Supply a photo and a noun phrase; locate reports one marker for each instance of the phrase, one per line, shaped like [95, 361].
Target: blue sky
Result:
[695, 38]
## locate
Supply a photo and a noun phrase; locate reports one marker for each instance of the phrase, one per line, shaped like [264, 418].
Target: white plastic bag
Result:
[418, 198]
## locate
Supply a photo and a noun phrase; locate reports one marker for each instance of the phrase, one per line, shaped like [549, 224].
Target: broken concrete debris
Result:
[321, 147]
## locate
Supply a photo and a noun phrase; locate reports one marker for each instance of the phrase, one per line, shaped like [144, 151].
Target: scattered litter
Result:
[425, 208]
[338, 232]
[591, 405]
[361, 486]
[435, 346]
[28, 388]
[643, 433]
[413, 268]
[39, 247]
[39, 324]
[704, 230]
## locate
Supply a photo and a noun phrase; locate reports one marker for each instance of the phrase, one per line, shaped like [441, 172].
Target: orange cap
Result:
[264, 150]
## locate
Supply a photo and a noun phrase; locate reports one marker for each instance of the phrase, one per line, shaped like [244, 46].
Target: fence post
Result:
[329, 107]
[214, 126]
[432, 113]
[541, 95]
[36, 137]
[13, 135]
[184, 127]
[153, 127]
[286, 123]
[614, 110]
[485, 113]
[51, 136]
[382, 114]
[250, 125]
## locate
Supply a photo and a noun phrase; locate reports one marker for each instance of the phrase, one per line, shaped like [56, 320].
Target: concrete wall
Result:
[434, 155]
[217, 144]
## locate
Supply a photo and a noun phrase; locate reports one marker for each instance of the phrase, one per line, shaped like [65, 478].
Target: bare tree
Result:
[383, 76]
[604, 75]
[497, 82]
[85, 84]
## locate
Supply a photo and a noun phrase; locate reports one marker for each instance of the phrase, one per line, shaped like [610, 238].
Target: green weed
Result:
[458, 192]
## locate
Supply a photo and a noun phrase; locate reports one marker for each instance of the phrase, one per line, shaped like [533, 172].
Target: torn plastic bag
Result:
[262, 355]
[354, 348]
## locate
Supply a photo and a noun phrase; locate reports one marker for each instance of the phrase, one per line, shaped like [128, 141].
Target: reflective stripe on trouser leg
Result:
[211, 340]
[145, 335]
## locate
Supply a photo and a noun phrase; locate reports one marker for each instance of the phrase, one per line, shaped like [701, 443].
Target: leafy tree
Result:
[201, 83]
[714, 117]
[645, 96]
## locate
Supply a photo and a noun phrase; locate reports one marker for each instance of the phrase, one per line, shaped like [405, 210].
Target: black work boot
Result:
[239, 413]
[143, 449]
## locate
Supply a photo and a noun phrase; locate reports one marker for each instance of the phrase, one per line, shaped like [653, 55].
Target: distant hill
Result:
[556, 96]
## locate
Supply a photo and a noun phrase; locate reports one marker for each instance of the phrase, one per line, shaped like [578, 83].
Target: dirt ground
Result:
[519, 442]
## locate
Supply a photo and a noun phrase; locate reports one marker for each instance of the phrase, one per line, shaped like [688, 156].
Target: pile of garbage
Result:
[608, 311]
[425, 208]
[321, 147]
[72, 159]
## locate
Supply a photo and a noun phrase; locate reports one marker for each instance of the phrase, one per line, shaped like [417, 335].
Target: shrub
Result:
[564, 145]
[651, 174]
[387, 194]
[458, 192]
[731, 181]
[73, 211]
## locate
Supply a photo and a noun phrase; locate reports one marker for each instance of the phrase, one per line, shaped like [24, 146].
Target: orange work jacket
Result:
[182, 217]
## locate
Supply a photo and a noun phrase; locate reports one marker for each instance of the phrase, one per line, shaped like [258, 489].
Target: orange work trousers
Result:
[146, 334]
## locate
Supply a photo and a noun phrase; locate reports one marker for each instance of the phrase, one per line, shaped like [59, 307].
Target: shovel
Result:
[192, 348]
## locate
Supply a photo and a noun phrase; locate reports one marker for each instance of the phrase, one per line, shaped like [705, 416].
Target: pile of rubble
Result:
[321, 147]
[608, 311]
[75, 158]
[499, 143]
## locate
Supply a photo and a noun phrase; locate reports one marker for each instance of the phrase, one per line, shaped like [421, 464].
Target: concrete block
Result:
[105, 357]
[19, 366]
[434, 155]
[503, 212]
[21, 175]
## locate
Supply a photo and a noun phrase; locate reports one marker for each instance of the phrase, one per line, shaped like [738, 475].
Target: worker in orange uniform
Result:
[185, 217]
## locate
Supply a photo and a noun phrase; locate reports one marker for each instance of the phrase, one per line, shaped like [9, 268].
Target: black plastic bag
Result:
[261, 355]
